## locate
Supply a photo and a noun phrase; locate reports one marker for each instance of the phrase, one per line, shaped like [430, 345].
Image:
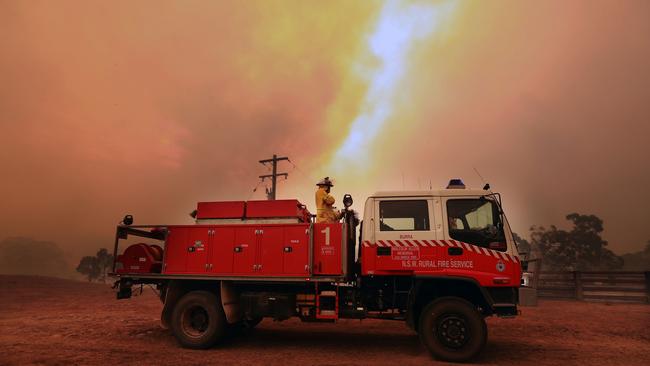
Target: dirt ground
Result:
[60, 322]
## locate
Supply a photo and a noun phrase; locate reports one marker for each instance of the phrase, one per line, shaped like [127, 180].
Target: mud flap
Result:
[172, 294]
[231, 303]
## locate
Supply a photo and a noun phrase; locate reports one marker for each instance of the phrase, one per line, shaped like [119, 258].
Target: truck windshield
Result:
[475, 221]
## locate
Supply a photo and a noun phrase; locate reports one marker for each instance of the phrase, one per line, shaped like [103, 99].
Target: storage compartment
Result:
[186, 250]
[277, 209]
[328, 249]
[276, 305]
[220, 210]
[243, 250]
[295, 249]
[222, 251]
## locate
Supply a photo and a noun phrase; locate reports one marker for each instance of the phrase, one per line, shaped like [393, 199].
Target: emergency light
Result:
[456, 183]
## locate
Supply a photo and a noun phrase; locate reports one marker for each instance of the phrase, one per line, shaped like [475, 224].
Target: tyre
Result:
[198, 320]
[452, 329]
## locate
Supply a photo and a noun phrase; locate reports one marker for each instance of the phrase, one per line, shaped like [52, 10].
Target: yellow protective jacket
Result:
[324, 207]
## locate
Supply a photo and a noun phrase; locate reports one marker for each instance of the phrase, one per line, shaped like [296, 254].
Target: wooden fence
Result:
[632, 287]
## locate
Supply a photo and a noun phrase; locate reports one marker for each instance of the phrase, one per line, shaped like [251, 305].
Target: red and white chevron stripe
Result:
[443, 243]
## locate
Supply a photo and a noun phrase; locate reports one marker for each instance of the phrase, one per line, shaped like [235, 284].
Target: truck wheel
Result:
[452, 329]
[198, 320]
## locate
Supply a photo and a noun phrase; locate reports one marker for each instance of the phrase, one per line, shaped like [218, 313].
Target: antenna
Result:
[479, 175]
[486, 185]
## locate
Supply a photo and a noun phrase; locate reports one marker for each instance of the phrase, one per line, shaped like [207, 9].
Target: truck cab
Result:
[455, 232]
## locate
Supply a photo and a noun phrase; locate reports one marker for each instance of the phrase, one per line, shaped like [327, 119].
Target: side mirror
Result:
[347, 200]
[127, 220]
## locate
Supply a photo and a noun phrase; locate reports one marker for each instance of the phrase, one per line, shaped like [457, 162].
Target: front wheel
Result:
[452, 329]
[198, 320]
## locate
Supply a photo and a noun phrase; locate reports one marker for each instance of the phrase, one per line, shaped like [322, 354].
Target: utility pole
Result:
[270, 194]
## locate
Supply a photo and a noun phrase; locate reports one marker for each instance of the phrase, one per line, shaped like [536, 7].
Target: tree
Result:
[523, 245]
[89, 266]
[96, 267]
[104, 262]
[580, 249]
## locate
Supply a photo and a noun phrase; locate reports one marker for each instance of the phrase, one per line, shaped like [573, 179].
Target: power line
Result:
[270, 194]
[295, 167]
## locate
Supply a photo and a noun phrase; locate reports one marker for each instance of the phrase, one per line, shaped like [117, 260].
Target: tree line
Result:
[581, 248]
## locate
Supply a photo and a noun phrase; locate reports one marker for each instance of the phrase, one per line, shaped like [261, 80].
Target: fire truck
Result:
[440, 260]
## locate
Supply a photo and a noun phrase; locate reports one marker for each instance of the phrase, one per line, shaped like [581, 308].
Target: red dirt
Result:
[52, 321]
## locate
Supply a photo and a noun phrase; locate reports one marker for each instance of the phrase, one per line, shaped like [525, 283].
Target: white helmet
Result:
[325, 182]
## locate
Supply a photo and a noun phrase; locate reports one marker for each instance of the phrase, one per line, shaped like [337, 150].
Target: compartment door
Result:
[244, 250]
[296, 250]
[197, 245]
[175, 254]
[328, 244]
[271, 251]
[221, 256]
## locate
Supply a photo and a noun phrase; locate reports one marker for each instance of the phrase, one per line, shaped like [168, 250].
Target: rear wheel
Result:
[198, 320]
[452, 329]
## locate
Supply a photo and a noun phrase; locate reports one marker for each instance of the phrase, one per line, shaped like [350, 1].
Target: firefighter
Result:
[325, 202]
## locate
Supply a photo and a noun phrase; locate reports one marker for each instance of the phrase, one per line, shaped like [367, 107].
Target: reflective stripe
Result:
[444, 243]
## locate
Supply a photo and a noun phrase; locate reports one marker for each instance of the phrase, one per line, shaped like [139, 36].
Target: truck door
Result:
[403, 229]
[244, 250]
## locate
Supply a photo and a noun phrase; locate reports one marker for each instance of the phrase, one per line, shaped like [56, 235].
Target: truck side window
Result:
[407, 215]
[474, 221]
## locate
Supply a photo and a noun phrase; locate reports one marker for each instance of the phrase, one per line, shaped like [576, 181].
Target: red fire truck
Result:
[442, 261]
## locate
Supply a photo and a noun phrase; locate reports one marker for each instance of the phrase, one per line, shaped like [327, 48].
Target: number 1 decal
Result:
[326, 231]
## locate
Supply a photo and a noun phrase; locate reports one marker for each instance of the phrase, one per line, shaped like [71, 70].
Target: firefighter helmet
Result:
[325, 182]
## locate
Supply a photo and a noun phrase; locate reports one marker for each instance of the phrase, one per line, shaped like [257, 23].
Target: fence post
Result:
[578, 283]
[647, 286]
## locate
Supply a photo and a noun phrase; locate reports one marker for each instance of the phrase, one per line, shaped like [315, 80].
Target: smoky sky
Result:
[147, 107]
